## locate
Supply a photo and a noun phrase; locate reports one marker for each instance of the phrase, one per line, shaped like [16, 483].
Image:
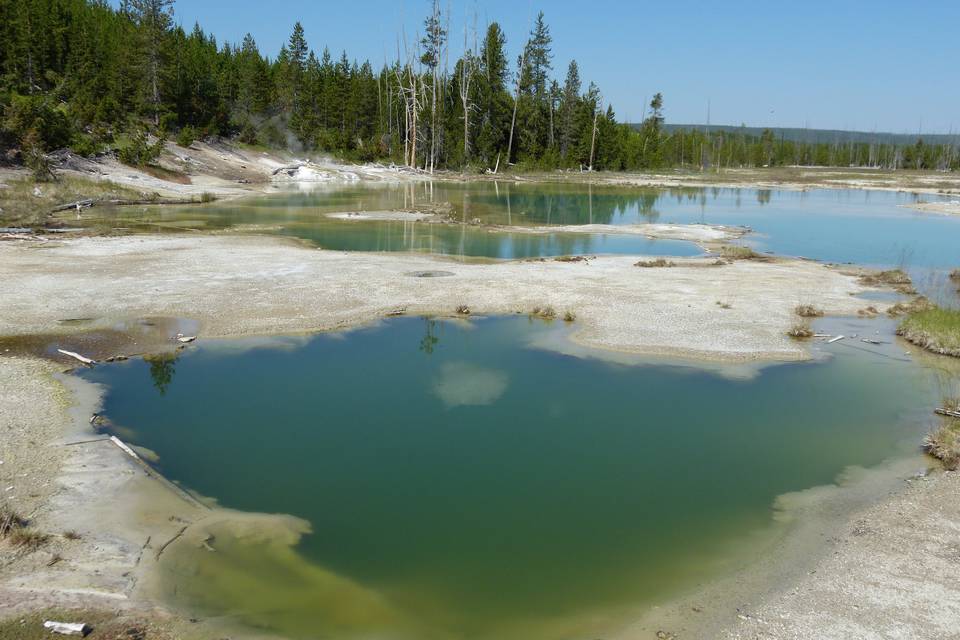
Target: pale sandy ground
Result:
[951, 207]
[67, 478]
[226, 171]
[892, 572]
[699, 233]
[262, 285]
[787, 178]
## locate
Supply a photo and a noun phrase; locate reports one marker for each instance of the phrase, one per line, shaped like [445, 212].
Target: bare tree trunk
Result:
[593, 136]
[516, 101]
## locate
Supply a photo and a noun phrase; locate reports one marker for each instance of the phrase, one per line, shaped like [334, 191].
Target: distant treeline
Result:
[83, 75]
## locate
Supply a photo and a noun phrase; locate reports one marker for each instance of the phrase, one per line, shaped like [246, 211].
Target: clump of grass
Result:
[463, 310]
[808, 311]
[740, 252]
[571, 259]
[72, 535]
[920, 303]
[569, 316]
[934, 328]
[800, 331]
[658, 263]
[206, 197]
[869, 311]
[944, 444]
[724, 305]
[27, 539]
[896, 278]
[955, 275]
[546, 313]
[10, 520]
[13, 528]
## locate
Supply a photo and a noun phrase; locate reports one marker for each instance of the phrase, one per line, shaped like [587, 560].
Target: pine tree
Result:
[568, 109]
[154, 18]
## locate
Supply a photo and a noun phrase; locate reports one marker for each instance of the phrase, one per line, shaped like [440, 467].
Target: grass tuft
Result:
[27, 538]
[739, 252]
[546, 313]
[808, 311]
[933, 328]
[955, 275]
[10, 520]
[896, 278]
[658, 263]
[463, 310]
[569, 316]
[944, 444]
[800, 331]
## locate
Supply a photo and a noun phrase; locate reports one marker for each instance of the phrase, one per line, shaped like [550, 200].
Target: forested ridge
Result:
[81, 74]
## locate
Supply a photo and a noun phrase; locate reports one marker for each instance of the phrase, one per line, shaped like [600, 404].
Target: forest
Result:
[83, 75]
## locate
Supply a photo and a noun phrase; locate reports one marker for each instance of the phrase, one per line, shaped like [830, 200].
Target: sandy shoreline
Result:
[251, 285]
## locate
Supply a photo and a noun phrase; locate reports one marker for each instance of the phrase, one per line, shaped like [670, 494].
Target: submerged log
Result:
[837, 339]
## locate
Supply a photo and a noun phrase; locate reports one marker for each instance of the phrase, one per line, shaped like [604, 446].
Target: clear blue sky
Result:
[844, 64]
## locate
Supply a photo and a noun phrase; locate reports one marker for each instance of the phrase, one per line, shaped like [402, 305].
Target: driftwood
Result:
[166, 544]
[127, 450]
[67, 628]
[79, 204]
[947, 412]
[84, 360]
[837, 339]
[182, 339]
[121, 202]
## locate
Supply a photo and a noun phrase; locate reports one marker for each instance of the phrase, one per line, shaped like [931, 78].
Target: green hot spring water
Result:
[461, 483]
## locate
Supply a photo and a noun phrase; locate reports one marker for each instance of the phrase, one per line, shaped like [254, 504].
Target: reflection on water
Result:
[869, 228]
[480, 488]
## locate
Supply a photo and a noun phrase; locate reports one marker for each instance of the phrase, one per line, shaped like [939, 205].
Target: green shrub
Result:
[248, 134]
[187, 136]
[139, 152]
[35, 158]
[35, 115]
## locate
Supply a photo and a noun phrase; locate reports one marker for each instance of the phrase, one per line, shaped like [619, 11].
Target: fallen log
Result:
[87, 361]
[79, 204]
[837, 339]
[123, 202]
[947, 412]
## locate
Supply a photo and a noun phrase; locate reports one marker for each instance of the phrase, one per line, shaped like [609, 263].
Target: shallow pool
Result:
[474, 486]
